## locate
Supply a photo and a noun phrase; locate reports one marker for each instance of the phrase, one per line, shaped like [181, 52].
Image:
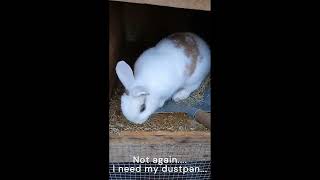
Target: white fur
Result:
[159, 74]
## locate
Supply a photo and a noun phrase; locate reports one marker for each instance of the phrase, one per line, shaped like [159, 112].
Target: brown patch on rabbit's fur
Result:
[188, 42]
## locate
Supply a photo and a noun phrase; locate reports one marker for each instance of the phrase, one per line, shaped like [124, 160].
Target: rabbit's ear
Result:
[139, 91]
[125, 74]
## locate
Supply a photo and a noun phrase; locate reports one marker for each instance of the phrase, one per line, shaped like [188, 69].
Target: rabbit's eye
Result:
[143, 107]
[126, 92]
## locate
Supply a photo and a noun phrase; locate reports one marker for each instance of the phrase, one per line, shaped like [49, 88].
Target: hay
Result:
[157, 122]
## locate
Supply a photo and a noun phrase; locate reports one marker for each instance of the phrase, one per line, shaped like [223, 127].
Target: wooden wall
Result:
[116, 41]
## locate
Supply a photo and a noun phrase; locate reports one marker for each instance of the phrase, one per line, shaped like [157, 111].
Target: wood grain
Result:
[115, 41]
[187, 4]
[160, 137]
[185, 146]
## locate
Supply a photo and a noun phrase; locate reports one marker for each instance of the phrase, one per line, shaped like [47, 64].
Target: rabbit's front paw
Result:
[181, 95]
[161, 103]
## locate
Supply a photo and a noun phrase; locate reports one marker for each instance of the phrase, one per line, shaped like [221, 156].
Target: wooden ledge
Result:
[159, 137]
[186, 4]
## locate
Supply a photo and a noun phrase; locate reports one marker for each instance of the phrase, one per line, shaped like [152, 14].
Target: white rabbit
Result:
[175, 67]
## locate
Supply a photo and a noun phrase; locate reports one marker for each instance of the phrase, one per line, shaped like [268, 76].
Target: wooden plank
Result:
[160, 137]
[187, 4]
[115, 41]
[185, 146]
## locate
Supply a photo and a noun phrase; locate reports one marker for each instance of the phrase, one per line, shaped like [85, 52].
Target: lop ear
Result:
[139, 91]
[125, 74]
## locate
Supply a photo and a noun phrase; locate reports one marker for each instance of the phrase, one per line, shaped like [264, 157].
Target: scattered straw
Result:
[157, 122]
